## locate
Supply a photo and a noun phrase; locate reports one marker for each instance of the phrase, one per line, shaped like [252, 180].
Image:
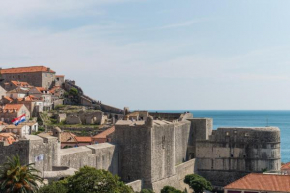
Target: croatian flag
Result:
[18, 120]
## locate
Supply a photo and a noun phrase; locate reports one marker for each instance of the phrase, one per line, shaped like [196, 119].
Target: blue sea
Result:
[229, 118]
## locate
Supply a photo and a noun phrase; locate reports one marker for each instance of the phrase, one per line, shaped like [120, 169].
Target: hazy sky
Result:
[165, 54]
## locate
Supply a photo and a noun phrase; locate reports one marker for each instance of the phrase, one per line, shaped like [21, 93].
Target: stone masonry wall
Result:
[101, 156]
[182, 137]
[136, 185]
[231, 153]
[39, 79]
[162, 151]
[134, 145]
[33, 149]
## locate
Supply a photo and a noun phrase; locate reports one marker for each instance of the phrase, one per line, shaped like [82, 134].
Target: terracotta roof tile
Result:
[285, 166]
[40, 89]
[8, 98]
[13, 106]
[8, 138]
[17, 83]
[2, 123]
[105, 133]
[262, 182]
[83, 139]
[26, 69]
[53, 90]
[29, 98]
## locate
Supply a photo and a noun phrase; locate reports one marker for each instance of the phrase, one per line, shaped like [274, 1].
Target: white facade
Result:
[22, 129]
[15, 95]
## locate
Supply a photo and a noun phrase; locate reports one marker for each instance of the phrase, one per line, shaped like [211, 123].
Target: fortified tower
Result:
[153, 151]
[227, 154]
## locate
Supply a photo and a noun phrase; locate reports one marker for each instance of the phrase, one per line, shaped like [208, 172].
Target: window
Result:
[272, 146]
[227, 133]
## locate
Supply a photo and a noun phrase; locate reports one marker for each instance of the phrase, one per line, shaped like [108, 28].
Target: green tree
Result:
[54, 187]
[18, 178]
[91, 180]
[73, 91]
[170, 189]
[146, 191]
[197, 183]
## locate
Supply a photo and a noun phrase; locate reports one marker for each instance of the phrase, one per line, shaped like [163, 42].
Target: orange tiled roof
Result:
[26, 69]
[8, 98]
[262, 182]
[7, 137]
[105, 133]
[285, 166]
[83, 139]
[13, 106]
[23, 84]
[2, 123]
[10, 140]
[54, 89]
[30, 98]
[40, 89]
[59, 75]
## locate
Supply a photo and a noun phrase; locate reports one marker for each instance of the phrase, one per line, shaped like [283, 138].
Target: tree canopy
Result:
[197, 183]
[170, 189]
[18, 178]
[89, 180]
[146, 191]
[73, 92]
[58, 187]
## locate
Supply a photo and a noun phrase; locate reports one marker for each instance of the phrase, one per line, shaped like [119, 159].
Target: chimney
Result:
[48, 69]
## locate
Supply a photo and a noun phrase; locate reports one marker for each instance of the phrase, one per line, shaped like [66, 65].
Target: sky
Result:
[161, 55]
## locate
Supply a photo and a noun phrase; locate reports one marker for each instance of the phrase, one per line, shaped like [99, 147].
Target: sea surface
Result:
[229, 118]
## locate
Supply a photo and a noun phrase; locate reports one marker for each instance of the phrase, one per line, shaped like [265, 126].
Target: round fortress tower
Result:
[230, 153]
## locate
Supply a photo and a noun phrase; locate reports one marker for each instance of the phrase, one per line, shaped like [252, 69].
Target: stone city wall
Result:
[162, 150]
[134, 147]
[182, 137]
[233, 152]
[176, 180]
[136, 185]
[110, 109]
[41, 151]
[101, 156]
